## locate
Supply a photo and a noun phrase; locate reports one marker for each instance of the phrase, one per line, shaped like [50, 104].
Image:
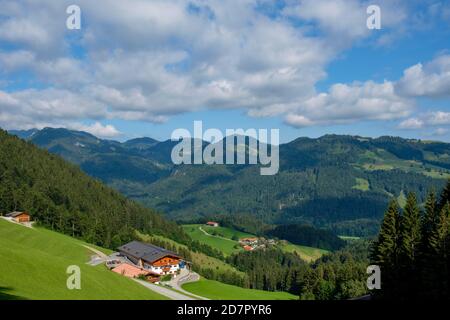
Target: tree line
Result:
[413, 249]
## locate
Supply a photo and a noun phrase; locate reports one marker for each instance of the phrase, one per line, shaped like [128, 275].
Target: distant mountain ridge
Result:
[335, 181]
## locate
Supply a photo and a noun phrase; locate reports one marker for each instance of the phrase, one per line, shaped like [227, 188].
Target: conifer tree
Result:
[445, 196]
[409, 230]
[385, 252]
[428, 276]
[409, 273]
[438, 243]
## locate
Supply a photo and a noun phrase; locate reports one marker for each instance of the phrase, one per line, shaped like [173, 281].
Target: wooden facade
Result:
[20, 217]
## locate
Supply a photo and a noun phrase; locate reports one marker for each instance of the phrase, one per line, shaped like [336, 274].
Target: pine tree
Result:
[426, 255]
[445, 196]
[410, 231]
[385, 250]
[438, 243]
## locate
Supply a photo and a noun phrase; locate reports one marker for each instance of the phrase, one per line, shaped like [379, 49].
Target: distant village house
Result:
[212, 224]
[248, 241]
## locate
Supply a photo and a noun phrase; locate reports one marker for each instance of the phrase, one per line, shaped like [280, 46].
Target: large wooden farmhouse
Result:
[150, 257]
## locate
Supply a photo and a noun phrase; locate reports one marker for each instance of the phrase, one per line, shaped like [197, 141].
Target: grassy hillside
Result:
[219, 291]
[220, 242]
[308, 254]
[63, 198]
[223, 241]
[34, 262]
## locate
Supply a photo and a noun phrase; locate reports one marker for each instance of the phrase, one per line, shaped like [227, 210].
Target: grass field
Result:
[222, 242]
[228, 246]
[361, 184]
[34, 263]
[306, 253]
[220, 291]
[226, 232]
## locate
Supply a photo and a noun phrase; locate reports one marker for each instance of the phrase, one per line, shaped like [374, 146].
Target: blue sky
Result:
[148, 67]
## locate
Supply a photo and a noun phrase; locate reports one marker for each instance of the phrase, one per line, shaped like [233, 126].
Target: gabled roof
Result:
[145, 251]
[15, 214]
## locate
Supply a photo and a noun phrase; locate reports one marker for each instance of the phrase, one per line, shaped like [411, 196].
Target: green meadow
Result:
[221, 239]
[219, 291]
[308, 254]
[34, 263]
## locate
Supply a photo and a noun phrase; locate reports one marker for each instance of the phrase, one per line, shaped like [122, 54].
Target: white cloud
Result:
[148, 60]
[97, 129]
[350, 103]
[344, 21]
[429, 119]
[411, 123]
[429, 80]
[47, 107]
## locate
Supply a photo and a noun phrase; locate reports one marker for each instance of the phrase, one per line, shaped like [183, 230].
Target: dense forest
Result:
[413, 249]
[307, 236]
[61, 197]
[338, 275]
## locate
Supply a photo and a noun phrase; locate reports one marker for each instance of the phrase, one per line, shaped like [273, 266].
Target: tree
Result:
[438, 257]
[385, 251]
[409, 245]
[425, 254]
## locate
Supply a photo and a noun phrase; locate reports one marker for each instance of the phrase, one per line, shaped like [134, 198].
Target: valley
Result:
[369, 171]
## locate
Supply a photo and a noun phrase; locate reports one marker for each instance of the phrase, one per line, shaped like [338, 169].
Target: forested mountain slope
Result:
[60, 196]
[339, 182]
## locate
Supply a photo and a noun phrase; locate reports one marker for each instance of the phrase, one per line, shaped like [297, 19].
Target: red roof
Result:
[247, 248]
[212, 222]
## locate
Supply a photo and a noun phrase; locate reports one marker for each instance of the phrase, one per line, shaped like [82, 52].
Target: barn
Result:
[19, 216]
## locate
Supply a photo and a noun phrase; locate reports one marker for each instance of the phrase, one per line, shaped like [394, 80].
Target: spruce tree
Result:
[410, 231]
[438, 243]
[385, 250]
[445, 196]
[426, 254]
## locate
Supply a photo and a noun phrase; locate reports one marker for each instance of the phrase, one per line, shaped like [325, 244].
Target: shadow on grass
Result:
[5, 295]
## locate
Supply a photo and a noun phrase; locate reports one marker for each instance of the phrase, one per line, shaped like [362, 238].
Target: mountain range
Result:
[339, 182]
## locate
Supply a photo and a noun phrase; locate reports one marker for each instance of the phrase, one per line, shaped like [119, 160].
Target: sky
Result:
[306, 67]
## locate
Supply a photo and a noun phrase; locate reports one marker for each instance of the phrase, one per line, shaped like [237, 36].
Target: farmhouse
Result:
[19, 216]
[150, 257]
[212, 224]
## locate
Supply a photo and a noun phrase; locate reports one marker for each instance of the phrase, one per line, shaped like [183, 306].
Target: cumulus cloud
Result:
[411, 123]
[97, 129]
[429, 119]
[427, 80]
[344, 21]
[148, 60]
[350, 103]
[38, 108]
